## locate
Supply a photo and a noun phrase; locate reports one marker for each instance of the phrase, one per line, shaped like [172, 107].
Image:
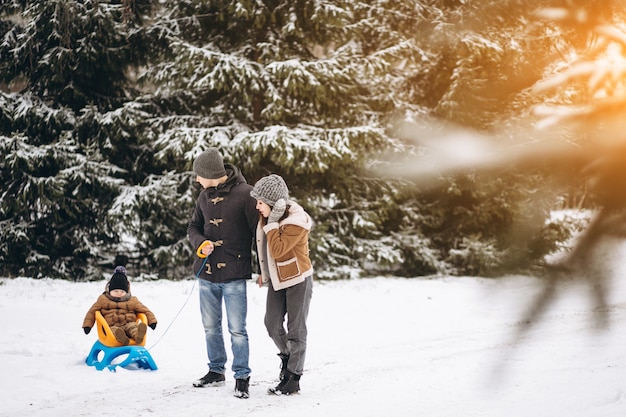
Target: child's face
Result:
[263, 208]
[117, 293]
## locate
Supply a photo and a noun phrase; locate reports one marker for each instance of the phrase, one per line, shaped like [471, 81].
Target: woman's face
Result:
[263, 208]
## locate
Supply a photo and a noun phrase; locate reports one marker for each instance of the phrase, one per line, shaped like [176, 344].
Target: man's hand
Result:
[205, 249]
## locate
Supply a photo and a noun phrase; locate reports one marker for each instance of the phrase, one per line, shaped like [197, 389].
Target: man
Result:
[222, 228]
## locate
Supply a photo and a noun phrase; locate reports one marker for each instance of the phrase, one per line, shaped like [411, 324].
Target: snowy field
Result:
[377, 347]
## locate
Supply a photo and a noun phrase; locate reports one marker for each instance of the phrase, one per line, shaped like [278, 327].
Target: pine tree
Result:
[473, 78]
[285, 87]
[104, 106]
[64, 69]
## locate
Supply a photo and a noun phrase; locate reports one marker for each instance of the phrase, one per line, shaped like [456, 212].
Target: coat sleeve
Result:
[195, 228]
[140, 308]
[90, 317]
[252, 214]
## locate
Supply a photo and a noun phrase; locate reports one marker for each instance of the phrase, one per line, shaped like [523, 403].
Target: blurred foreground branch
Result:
[577, 136]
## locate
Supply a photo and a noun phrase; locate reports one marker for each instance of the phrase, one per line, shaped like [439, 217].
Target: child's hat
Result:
[209, 164]
[270, 189]
[119, 281]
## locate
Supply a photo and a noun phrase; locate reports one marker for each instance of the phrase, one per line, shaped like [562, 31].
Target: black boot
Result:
[210, 379]
[241, 387]
[284, 358]
[290, 384]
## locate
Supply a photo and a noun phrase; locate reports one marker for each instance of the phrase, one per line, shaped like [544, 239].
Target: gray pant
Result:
[294, 303]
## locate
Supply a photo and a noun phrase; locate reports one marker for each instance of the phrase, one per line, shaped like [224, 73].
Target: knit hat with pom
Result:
[270, 189]
[119, 281]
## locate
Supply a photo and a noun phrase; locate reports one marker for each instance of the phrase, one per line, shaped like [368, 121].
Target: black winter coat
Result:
[227, 216]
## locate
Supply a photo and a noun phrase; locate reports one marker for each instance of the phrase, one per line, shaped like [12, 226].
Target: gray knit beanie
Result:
[209, 164]
[270, 189]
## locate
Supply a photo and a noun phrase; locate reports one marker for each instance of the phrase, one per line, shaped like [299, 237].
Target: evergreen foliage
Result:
[105, 104]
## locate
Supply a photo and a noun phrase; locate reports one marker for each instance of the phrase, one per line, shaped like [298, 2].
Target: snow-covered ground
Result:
[377, 347]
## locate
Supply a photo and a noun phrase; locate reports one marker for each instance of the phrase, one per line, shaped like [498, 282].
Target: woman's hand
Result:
[277, 211]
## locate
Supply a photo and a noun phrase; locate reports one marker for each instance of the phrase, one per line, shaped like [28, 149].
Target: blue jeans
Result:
[235, 299]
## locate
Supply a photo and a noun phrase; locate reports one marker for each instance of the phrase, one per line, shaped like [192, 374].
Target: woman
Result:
[283, 252]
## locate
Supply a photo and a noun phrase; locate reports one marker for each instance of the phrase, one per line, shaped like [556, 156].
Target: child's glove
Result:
[152, 326]
[277, 211]
[86, 330]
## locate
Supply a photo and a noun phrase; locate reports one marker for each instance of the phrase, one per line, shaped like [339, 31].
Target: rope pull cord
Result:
[184, 304]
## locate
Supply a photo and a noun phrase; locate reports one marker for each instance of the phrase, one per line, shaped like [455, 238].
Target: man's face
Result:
[206, 182]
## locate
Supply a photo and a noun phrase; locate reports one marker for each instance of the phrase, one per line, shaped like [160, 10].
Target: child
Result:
[119, 308]
[283, 252]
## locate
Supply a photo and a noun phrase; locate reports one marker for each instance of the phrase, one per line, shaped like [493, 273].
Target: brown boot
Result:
[120, 335]
[140, 333]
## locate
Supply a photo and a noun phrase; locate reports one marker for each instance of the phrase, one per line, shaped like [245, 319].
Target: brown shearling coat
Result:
[283, 248]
